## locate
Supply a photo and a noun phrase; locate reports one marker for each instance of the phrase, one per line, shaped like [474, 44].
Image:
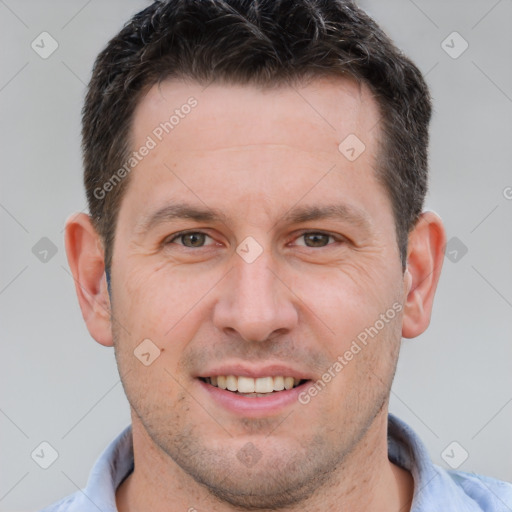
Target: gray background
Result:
[453, 383]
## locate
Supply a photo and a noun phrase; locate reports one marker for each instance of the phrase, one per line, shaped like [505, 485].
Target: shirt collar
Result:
[433, 486]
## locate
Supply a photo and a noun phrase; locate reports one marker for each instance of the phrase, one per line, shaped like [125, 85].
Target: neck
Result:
[365, 481]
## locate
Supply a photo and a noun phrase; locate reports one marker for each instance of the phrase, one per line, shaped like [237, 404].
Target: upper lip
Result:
[256, 371]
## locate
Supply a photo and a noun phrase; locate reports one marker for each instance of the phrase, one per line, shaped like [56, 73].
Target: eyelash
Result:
[168, 240]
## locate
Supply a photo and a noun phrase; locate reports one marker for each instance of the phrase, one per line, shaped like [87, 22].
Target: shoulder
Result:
[66, 504]
[489, 493]
[109, 470]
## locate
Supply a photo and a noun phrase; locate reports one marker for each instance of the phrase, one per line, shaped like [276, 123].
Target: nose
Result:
[255, 301]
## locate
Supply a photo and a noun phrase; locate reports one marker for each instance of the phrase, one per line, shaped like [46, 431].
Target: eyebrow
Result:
[296, 215]
[343, 212]
[179, 211]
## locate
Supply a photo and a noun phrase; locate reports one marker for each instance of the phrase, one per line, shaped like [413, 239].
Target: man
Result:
[255, 250]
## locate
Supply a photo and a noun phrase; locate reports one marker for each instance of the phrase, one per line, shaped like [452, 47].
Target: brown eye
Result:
[315, 239]
[191, 239]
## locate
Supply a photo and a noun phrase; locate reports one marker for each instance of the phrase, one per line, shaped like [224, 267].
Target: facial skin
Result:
[255, 156]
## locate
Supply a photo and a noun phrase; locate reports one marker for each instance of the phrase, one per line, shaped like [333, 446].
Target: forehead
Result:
[254, 152]
[316, 117]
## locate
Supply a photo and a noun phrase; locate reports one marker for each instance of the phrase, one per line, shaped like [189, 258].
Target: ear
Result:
[86, 260]
[425, 255]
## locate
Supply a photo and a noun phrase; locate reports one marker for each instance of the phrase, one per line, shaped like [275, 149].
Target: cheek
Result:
[360, 382]
[162, 302]
[343, 300]
[361, 309]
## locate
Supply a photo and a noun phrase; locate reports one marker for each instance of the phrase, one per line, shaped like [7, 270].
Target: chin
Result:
[262, 489]
[262, 475]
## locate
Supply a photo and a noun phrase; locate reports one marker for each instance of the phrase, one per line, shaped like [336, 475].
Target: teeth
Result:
[221, 382]
[246, 385]
[264, 385]
[278, 383]
[249, 385]
[232, 383]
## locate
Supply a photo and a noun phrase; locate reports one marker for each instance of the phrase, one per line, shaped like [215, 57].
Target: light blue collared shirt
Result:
[435, 489]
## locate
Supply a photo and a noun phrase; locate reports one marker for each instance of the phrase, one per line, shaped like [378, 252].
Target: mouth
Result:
[254, 387]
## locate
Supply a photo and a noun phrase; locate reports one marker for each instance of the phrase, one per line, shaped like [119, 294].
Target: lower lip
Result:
[273, 403]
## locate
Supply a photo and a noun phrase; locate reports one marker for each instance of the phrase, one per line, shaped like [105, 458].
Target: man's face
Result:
[260, 292]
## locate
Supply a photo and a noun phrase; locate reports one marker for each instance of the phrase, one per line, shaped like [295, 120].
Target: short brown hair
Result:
[264, 42]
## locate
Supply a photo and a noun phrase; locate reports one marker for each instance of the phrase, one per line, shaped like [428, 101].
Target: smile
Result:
[253, 387]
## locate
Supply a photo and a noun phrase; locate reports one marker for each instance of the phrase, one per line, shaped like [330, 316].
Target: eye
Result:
[315, 239]
[189, 239]
[197, 239]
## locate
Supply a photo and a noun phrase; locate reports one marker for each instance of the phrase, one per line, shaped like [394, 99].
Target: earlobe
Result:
[424, 262]
[86, 261]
